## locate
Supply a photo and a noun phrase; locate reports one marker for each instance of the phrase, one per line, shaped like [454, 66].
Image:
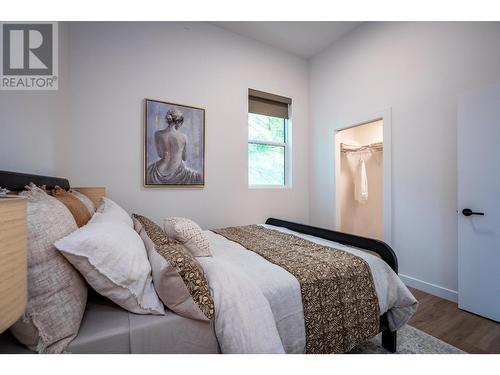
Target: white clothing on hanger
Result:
[361, 183]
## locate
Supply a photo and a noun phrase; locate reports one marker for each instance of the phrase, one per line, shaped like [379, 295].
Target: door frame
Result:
[351, 122]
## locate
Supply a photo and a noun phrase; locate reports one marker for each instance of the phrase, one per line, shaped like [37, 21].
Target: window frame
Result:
[287, 155]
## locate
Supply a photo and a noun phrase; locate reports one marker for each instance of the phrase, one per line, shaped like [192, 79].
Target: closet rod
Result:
[379, 146]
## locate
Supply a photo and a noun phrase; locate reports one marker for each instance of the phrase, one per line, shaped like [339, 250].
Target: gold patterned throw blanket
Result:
[340, 304]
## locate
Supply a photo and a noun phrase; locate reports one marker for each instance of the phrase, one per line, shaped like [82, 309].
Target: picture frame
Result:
[174, 145]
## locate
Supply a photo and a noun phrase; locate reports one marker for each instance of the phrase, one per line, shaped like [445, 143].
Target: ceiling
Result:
[304, 39]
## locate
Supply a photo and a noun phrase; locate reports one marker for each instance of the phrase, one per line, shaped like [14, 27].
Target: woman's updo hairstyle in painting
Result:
[174, 117]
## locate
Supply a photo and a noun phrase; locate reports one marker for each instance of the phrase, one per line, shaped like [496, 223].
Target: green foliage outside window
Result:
[266, 162]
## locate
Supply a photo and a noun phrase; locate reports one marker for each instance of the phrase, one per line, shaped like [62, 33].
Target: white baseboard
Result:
[436, 290]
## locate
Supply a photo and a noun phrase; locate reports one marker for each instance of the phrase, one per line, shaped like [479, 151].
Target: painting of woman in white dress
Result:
[174, 150]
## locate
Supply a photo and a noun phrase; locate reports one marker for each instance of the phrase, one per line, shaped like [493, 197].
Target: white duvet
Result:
[258, 305]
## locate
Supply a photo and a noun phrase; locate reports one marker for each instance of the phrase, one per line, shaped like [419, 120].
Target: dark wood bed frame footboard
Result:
[389, 338]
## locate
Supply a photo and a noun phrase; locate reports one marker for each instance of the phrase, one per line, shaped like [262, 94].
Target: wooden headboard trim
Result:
[94, 193]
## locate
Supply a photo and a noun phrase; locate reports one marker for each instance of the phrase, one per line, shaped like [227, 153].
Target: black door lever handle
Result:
[469, 212]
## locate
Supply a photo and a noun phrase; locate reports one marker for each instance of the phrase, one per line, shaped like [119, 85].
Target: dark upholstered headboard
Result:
[15, 181]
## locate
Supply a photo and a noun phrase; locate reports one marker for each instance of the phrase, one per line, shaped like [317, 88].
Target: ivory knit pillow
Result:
[188, 233]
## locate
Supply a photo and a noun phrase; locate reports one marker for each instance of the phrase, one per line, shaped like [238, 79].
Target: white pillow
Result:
[112, 258]
[188, 233]
[110, 211]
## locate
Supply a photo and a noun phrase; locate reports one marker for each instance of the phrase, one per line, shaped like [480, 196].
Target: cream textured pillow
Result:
[57, 294]
[188, 233]
[178, 278]
[112, 258]
[85, 200]
[110, 211]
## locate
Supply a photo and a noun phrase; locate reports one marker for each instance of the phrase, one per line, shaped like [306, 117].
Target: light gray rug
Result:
[410, 341]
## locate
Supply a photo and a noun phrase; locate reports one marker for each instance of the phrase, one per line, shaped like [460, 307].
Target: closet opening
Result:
[360, 179]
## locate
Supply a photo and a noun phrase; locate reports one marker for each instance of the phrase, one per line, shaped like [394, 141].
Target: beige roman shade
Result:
[263, 103]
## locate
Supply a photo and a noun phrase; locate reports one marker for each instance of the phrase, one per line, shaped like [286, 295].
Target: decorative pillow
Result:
[189, 234]
[74, 205]
[178, 278]
[109, 211]
[112, 258]
[57, 294]
[85, 200]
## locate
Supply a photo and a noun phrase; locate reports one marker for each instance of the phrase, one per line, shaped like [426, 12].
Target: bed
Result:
[276, 313]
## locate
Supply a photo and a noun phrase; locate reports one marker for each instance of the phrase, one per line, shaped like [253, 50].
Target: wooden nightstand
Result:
[13, 260]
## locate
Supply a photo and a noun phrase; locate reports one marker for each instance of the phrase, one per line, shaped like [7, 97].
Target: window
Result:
[266, 150]
[268, 137]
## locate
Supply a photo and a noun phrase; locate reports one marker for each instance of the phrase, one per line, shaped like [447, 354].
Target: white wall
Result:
[417, 69]
[114, 66]
[34, 124]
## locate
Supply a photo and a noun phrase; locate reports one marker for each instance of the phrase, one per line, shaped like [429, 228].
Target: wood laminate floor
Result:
[444, 320]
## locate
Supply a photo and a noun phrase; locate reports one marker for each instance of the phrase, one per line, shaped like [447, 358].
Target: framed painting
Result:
[174, 145]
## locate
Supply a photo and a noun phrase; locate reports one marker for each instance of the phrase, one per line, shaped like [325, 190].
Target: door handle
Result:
[469, 212]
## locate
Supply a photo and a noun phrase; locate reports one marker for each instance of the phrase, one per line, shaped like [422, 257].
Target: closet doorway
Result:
[362, 183]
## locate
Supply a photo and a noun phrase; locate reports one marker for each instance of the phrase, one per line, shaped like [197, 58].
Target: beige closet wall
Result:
[361, 219]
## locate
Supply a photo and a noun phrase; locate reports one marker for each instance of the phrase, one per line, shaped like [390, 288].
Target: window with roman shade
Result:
[268, 139]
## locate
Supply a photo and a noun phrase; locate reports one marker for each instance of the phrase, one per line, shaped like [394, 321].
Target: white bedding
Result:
[258, 305]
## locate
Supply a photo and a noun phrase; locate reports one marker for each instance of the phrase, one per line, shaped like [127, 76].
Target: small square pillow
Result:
[178, 278]
[112, 258]
[73, 204]
[188, 233]
[57, 294]
[85, 200]
[110, 211]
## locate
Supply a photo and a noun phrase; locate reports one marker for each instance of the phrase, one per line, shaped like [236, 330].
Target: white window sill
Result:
[284, 187]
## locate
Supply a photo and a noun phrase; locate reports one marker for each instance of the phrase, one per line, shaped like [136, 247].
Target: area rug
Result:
[410, 341]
